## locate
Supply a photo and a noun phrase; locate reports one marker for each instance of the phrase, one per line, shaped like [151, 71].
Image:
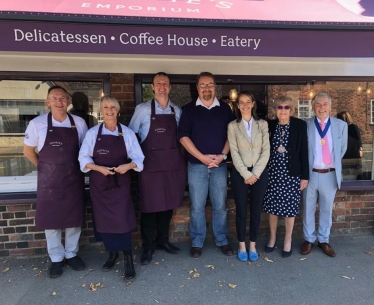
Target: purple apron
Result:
[163, 179]
[112, 206]
[60, 191]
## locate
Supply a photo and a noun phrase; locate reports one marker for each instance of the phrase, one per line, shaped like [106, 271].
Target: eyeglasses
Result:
[210, 85]
[280, 107]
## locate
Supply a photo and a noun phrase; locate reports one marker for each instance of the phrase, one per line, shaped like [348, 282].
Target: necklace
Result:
[281, 149]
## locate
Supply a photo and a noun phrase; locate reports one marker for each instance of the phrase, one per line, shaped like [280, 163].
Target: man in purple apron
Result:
[57, 136]
[163, 180]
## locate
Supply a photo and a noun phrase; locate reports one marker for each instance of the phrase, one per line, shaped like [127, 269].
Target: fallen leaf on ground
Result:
[54, 293]
[268, 260]
[83, 285]
[303, 258]
[232, 285]
[191, 271]
[210, 266]
[346, 277]
[181, 286]
[156, 263]
[94, 287]
[368, 252]
[6, 269]
[195, 275]
[10, 281]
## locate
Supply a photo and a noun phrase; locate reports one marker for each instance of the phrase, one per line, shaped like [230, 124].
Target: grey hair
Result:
[320, 96]
[283, 100]
[111, 99]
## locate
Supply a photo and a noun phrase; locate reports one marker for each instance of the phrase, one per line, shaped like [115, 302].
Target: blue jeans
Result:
[202, 179]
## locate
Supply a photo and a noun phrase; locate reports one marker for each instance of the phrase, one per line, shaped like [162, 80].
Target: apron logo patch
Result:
[103, 152]
[55, 144]
[160, 130]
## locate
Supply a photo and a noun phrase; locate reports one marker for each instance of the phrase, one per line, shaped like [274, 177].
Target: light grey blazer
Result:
[339, 130]
[249, 154]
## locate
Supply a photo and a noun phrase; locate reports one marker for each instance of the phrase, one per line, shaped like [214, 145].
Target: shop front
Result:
[114, 47]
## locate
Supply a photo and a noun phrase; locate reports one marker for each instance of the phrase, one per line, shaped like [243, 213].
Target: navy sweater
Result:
[206, 128]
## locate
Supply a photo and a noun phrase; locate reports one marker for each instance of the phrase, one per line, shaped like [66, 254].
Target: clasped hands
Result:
[121, 169]
[212, 160]
[251, 180]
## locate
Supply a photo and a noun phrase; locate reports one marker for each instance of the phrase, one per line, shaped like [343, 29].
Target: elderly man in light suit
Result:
[327, 143]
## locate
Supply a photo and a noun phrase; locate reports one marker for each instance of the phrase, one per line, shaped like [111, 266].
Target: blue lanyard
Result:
[324, 132]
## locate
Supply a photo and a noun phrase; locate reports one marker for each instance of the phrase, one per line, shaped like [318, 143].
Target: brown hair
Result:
[345, 116]
[238, 114]
[203, 74]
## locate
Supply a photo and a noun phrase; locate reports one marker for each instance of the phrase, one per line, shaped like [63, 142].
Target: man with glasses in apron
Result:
[163, 180]
[57, 136]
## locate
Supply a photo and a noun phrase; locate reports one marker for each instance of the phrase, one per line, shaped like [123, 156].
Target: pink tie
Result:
[326, 158]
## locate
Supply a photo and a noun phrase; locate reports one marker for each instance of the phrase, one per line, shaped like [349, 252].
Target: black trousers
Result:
[240, 190]
[152, 223]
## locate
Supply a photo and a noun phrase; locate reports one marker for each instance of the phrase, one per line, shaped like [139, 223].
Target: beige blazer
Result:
[245, 153]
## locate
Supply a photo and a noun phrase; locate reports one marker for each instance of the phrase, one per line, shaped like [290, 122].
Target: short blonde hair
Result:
[111, 99]
[283, 100]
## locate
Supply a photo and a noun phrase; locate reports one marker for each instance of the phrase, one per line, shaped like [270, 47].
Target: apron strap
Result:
[50, 126]
[120, 133]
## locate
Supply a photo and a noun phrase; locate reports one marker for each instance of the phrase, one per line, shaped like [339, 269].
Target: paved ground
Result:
[212, 279]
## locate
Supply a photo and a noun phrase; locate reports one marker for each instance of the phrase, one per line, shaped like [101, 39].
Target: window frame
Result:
[104, 78]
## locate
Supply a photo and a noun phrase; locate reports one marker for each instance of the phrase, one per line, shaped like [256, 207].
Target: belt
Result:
[323, 171]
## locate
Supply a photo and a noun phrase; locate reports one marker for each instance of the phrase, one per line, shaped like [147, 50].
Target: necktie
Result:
[326, 157]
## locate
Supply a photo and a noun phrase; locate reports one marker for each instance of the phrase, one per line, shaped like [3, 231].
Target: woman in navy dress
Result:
[288, 171]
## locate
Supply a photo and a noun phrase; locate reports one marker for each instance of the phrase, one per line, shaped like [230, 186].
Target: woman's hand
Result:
[122, 169]
[251, 180]
[106, 170]
[303, 184]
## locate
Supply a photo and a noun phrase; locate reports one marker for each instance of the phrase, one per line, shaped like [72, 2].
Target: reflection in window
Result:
[20, 102]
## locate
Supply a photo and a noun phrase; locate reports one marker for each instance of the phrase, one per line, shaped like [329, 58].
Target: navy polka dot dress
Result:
[282, 197]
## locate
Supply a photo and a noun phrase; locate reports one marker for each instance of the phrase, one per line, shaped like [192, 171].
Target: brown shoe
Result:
[227, 250]
[306, 248]
[195, 252]
[327, 249]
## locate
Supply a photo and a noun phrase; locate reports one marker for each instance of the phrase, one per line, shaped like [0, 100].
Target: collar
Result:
[248, 123]
[200, 103]
[158, 105]
[319, 121]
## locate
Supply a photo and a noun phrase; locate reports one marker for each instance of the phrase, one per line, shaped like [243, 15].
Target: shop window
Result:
[304, 109]
[20, 102]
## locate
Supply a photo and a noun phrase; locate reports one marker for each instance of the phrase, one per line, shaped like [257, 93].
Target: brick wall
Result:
[353, 214]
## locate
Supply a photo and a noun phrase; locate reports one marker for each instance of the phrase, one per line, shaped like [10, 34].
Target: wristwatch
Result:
[224, 156]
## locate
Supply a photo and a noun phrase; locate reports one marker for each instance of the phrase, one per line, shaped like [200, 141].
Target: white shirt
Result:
[214, 104]
[134, 152]
[36, 131]
[248, 128]
[318, 163]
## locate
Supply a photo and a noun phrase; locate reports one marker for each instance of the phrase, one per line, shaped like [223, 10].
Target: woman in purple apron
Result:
[106, 151]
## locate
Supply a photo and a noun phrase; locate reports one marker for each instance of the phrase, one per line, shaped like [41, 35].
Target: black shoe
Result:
[129, 267]
[146, 257]
[55, 270]
[109, 264]
[286, 253]
[76, 263]
[169, 248]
